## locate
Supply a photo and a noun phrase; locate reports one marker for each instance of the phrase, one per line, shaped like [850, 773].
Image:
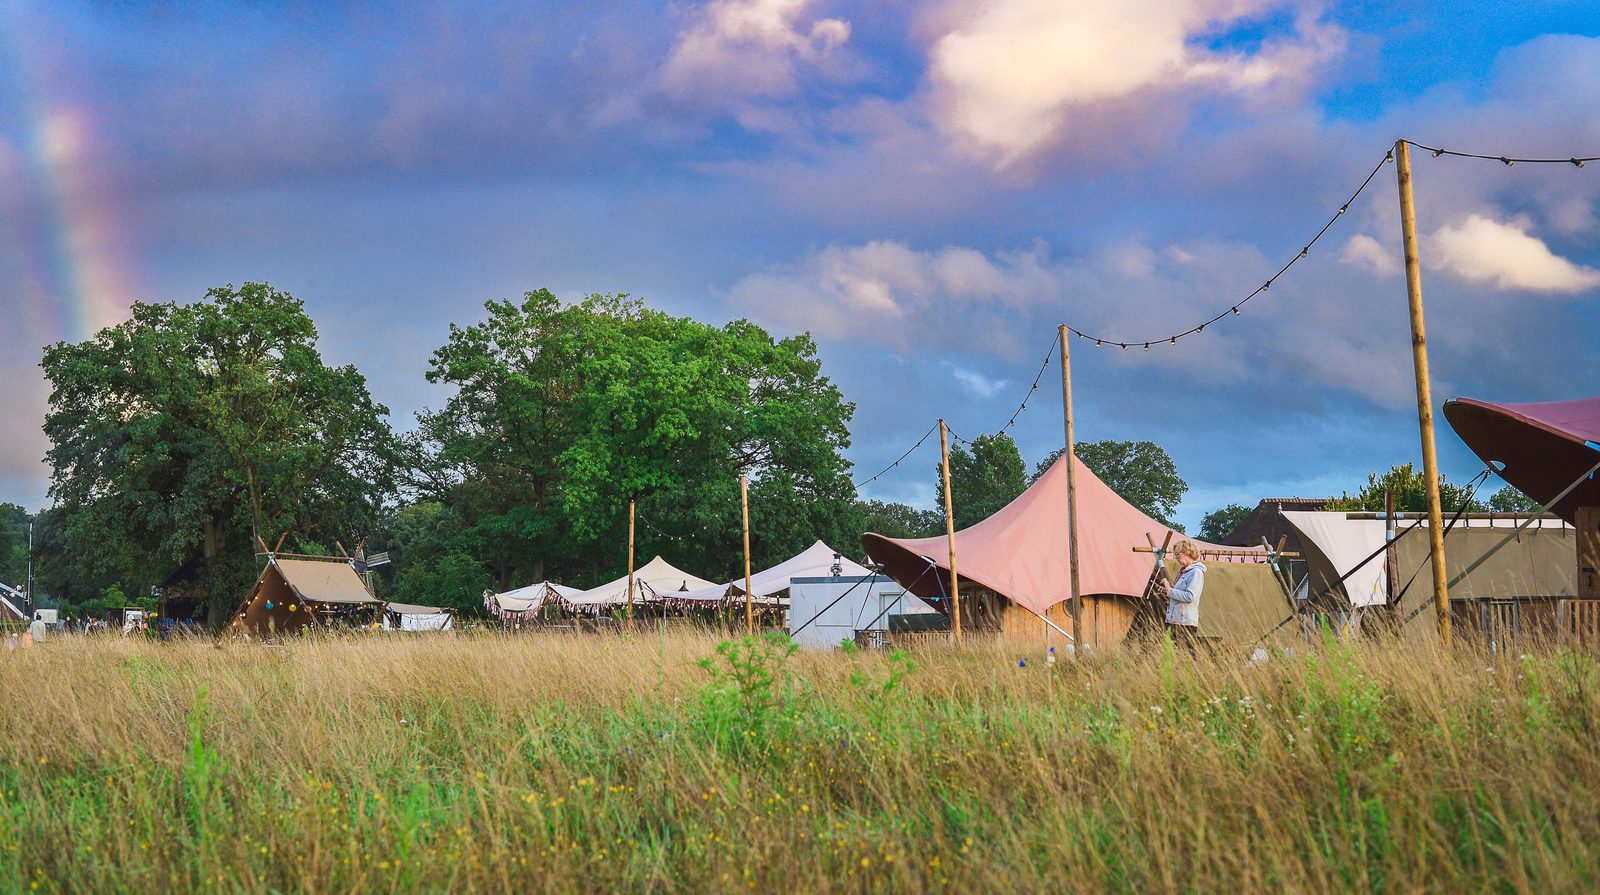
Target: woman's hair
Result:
[1187, 548]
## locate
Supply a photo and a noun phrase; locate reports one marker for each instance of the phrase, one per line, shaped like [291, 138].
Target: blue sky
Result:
[928, 187]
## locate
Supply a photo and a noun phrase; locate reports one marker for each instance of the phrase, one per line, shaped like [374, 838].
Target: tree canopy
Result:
[1511, 500]
[1218, 524]
[562, 413]
[1141, 471]
[984, 480]
[1410, 493]
[192, 429]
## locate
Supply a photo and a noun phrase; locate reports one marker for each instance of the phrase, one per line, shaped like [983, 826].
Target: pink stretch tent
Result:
[1545, 446]
[1021, 551]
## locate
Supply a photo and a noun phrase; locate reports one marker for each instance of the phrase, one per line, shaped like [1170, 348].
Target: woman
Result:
[1183, 595]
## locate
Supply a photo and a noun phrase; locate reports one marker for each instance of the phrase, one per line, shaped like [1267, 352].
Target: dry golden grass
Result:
[579, 763]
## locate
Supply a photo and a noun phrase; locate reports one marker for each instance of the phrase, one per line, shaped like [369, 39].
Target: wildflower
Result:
[1156, 710]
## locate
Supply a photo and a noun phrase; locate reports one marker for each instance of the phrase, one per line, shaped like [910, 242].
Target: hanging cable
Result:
[1507, 160]
[909, 452]
[1233, 309]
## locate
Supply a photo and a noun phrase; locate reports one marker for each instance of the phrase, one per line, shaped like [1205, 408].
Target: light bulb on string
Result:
[1147, 347]
[1508, 162]
[1174, 340]
[1235, 310]
[1578, 162]
[1438, 152]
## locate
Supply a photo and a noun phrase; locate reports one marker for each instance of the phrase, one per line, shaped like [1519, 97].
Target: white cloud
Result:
[977, 383]
[1366, 253]
[1008, 79]
[1483, 250]
[885, 290]
[748, 48]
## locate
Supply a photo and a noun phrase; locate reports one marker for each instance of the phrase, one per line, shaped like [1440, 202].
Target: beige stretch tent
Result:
[524, 603]
[1020, 554]
[294, 593]
[653, 581]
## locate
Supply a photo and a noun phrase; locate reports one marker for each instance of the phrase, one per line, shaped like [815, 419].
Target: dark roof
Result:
[1266, 521]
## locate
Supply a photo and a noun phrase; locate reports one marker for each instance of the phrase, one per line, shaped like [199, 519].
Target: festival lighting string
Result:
[886, 469]
[1172, 339]
[1507, 160]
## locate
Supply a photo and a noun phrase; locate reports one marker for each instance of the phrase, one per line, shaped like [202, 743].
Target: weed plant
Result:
[678, 763]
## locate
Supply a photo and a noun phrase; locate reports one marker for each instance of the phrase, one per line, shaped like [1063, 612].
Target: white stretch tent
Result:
[1346, 542]
[653, 581]
[526, 600]
[825, 611]
[815, 561]
[407, 617]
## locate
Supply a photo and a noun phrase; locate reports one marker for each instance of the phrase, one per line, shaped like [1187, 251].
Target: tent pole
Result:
[1419, 358]
[744, 504]
[950, 534]
[1062, 335]
[630, 559]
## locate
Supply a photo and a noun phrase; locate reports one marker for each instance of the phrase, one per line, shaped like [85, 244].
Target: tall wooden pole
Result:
[1419, 358]
[950, 533]
[744, 503]
[1064, 335]
[630, 560]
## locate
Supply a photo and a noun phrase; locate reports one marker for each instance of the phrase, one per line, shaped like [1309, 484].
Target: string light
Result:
[1234, 309]
[909, 452]
[1507, 160]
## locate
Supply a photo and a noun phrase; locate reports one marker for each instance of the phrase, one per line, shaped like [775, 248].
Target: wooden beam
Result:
[950, 533]
[1064, 336]
[1419, 359]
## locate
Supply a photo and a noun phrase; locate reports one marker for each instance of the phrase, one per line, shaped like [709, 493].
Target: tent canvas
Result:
[1545, 446]
[408, 617]
[526, 600]
[1339, 544]
[1021, 551]
[815, 561]
[1538, 563]
[653, 581]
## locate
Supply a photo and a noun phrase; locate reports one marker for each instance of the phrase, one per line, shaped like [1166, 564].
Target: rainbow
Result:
[68, 253]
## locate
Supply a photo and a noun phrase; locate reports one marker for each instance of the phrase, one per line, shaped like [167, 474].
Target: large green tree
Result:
[13, 544]
[562, 413]
[983, 480]
[1410, 493]
[1141, 471]
[1220, 523]
[199, 429]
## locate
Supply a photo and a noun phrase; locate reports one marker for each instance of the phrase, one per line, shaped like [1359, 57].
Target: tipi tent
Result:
[816, 561]
[1020, 553]
[653, 581]
[295, 593]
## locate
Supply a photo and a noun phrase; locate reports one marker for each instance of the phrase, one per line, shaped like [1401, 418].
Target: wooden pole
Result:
[950, 534]
[1063, 335]
[630, 560]
[1419, 358]
[744, 503]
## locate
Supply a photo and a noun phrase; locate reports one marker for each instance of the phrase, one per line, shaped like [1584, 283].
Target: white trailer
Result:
[823, 612]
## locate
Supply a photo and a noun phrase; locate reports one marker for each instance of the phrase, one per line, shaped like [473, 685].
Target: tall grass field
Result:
[679, 762]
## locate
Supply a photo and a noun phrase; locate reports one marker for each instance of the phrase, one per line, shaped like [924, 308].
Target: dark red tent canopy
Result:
[1544, 446]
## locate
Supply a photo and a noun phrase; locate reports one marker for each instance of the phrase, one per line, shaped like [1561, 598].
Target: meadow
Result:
[680, 762]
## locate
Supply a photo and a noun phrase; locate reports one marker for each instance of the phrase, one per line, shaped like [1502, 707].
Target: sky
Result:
[929, 188]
